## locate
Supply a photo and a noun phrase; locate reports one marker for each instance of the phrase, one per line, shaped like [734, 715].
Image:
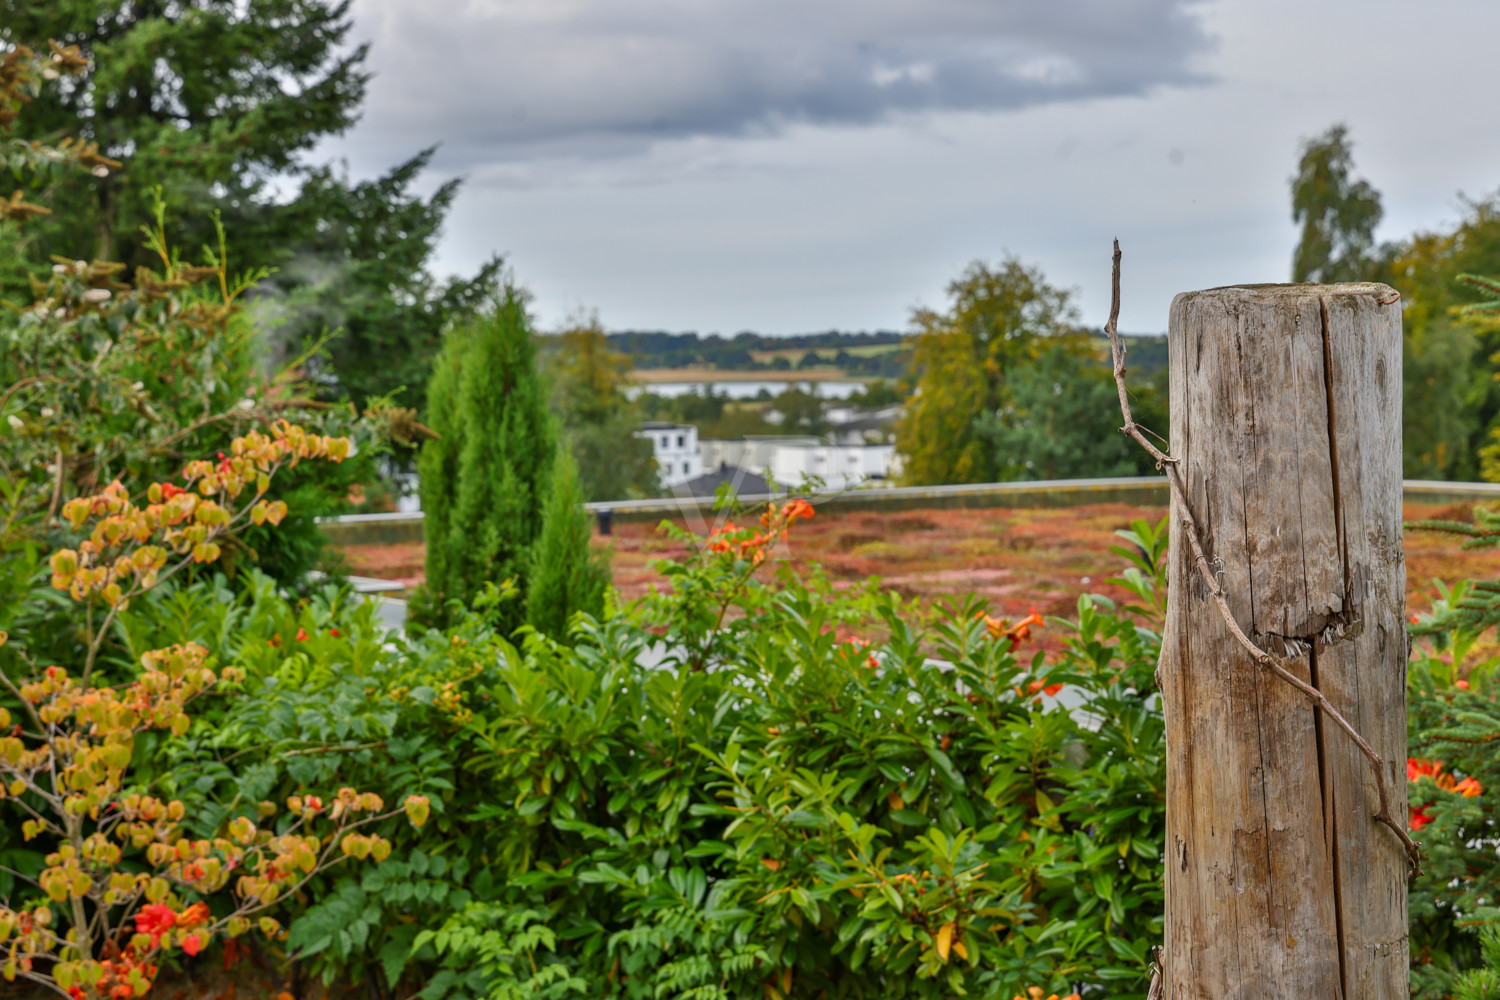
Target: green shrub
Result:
[485, 479]
[567, 576]
[772, 809]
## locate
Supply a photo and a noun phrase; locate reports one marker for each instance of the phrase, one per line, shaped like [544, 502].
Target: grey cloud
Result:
[518, 79]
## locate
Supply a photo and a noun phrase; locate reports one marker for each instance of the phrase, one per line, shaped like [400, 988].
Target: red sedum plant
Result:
[124, 888]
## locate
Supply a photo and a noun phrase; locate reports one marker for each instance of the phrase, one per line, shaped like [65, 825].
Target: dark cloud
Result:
[515, 79]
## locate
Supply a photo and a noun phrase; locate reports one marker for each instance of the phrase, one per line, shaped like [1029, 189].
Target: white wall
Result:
[676, 451]
[838, 466]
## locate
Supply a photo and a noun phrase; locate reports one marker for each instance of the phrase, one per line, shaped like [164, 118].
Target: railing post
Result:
[1286, 423]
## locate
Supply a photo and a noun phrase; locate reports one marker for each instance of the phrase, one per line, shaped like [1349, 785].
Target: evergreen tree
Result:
[208, 99]
[216, 102]
[567, 576]
[1338, 214]
[485, 479]
[359, 265]
[437, 468]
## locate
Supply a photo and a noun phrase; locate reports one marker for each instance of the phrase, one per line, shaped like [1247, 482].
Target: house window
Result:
[685, 468]
[664, 440]
[680, 440]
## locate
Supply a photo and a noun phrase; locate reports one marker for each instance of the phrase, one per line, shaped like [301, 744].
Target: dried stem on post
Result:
[1190, 529]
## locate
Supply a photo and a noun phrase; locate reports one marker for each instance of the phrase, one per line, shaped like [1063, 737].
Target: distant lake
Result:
[829, 389]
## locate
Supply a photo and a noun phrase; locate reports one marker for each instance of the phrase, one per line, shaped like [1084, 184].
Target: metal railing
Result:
[396, 528]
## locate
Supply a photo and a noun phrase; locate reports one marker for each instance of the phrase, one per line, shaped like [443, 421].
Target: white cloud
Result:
[728, 188]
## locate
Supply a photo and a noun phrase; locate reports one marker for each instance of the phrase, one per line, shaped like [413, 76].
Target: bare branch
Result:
[1189, 524]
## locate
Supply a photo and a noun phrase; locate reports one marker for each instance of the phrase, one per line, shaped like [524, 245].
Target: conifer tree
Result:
[485, 480]
[217, 104]
[567, 576]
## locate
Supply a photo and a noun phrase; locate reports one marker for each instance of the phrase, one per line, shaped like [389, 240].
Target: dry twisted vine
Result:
[1190, 529]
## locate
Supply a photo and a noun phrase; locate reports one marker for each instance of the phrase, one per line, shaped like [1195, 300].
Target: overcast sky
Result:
[796, 165]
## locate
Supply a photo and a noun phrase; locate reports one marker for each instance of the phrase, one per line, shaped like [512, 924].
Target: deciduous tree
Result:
[598, 420]
[1338, 214]
[1001, 317]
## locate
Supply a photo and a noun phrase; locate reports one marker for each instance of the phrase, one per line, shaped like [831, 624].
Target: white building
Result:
[791, 460]
[675, 447]
[838, 466]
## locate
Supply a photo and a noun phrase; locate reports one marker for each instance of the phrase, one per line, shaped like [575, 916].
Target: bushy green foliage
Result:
[797, 812]
[566, 577]
[485, 479]
[1454, 725]
[1482, 983]
[1061, 422]
[1009, 387]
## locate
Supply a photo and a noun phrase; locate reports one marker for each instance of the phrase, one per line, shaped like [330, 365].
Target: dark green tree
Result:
[801, 411]
[216, 103]
[1337, 213]
[485, 479]
[361, 267]
[208, 99]
[1061, 421]
[567, 575]
[1451, 383]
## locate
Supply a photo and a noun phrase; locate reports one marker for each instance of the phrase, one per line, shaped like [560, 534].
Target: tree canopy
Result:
[215, 104]
[999, 320]
[1338, 214]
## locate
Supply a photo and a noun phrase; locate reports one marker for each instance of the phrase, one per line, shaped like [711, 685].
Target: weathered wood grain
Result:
[1286, 418]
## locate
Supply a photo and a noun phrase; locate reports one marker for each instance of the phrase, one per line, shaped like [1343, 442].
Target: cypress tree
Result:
[437, 469]
[566, 574]
[484, 481]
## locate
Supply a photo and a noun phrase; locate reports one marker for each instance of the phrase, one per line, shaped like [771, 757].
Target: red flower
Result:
[155, 919]
[797, 508]
[334, 632]
[302, 635]
[75, 993]
[192, 944]
[193, 915]
[1049, 689]
[1461, 685]
[1469, 788]
[1418, 769]
[1419, 818]
[717, 542]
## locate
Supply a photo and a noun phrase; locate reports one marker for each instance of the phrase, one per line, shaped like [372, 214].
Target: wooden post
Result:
[1286, 421]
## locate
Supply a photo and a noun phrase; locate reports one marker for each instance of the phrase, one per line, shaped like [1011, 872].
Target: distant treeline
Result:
[1145, 353]
[748, 351]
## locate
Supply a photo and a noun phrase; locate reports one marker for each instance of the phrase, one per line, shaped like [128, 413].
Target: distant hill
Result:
[876, 353]
[1145, 353]
[879, 353]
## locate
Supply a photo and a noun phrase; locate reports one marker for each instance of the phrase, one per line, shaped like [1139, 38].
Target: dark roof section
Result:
[745, 482]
